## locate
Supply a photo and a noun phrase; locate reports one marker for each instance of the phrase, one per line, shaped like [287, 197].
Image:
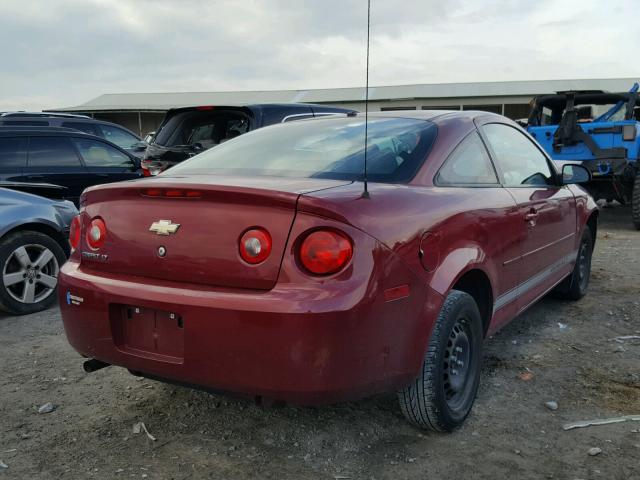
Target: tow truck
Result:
[599, 130]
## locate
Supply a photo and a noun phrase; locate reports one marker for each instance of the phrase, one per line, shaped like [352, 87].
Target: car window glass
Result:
[85, 127]
[52, 152]
[118, 136]
[201, 134]
[13, 152]
[331, 148]
[468, 164]
[518, 158]
[98, 154]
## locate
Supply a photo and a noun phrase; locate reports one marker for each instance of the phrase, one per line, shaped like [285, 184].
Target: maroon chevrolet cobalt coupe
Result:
[262, 267]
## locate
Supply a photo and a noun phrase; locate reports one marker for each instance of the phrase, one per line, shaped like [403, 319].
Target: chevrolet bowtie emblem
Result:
[164, 227]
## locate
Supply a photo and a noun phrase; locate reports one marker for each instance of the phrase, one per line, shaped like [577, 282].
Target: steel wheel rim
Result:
[30, 273]
[458, 370]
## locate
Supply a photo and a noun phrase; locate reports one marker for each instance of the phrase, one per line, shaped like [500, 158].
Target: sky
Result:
[59, 53]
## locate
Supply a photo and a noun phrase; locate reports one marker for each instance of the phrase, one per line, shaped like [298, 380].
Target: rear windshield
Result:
[322, 148]
[208, 128]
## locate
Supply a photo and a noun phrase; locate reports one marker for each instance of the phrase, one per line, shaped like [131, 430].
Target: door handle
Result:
[531, 216]
[35, 176]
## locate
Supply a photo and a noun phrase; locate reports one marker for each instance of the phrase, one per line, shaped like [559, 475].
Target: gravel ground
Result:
[569, 349]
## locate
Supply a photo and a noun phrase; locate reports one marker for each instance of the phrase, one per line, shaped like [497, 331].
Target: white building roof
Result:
[164, 101]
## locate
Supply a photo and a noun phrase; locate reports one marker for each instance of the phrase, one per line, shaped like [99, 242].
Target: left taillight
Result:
[74, 233]
[255, 245]
[96, 233]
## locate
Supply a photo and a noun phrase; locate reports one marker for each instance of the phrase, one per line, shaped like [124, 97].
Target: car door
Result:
[105, 163]
[53, 159]
[488, 217]
[546, 208]
[13, 158]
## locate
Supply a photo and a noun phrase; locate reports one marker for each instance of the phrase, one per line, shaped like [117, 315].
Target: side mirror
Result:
[575, 174]
[197, 147]
[136, 162]
[139, 146]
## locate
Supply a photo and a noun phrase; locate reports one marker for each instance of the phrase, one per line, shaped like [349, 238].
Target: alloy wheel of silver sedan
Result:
[30, 273]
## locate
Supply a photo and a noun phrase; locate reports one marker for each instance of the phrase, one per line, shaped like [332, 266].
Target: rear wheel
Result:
[29, 267]
[574, 287]
[635, 202]
[442, 395]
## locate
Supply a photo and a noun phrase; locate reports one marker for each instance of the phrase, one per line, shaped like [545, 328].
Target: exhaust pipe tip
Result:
[93, 365]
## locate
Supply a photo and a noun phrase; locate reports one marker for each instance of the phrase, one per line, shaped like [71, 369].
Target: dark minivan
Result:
[62, 156]
[187, 131]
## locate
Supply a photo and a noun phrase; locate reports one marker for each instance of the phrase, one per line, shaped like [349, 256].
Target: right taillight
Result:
[323, 252]
[74, 233]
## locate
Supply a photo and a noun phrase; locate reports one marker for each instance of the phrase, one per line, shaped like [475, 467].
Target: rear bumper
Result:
[299, 345]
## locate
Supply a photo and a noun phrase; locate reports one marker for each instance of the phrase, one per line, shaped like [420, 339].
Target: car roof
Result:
[259, 106]
[18, 131]
[436, 116]
[21, 114]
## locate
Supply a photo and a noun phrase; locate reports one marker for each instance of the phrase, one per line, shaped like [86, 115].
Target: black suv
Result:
[117, 134]
[187, 131]
[62, 156]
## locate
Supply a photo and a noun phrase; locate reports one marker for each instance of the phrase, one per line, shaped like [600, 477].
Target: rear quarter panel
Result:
[18, 209]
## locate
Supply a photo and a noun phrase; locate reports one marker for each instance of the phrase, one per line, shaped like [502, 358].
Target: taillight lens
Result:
[255, 245]
[324, 252]
[74, 233]
[96, 233]
[151, 168]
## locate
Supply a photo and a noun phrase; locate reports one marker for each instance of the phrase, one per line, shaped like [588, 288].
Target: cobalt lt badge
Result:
[164, 227]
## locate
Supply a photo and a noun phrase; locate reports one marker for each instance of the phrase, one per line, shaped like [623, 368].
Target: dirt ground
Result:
[570, 349]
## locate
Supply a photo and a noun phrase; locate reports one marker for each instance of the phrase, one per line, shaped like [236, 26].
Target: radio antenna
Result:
[365, 194]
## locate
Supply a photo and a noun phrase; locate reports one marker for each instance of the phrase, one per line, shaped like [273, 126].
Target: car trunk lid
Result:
[193, 238]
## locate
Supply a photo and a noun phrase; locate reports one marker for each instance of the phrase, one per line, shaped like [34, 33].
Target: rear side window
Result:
[469, 164]
[118, 136]
[13, 152]
[85, 127]
[52, 152]
[98, 154]
[521, 162]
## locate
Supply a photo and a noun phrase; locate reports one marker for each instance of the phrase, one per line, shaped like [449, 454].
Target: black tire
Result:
[437, 400]
[575, 286]
[39, 279]
[635, 202]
